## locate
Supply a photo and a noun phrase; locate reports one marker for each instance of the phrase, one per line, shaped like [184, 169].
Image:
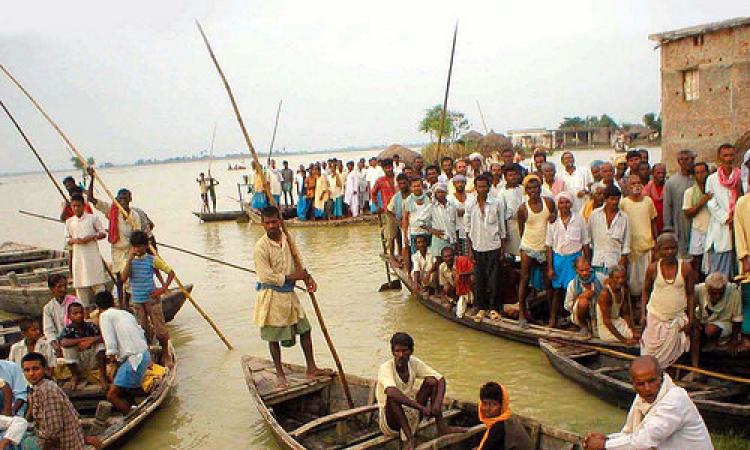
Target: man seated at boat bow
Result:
[401, 404]
[662, 415]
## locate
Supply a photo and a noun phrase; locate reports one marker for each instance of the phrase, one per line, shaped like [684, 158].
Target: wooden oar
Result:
[391, 284]
[122, 210]
[51, 178]
[290, 239]
[615, 353]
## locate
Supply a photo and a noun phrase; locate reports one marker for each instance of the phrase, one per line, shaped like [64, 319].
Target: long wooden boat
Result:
[15, 252]
[220, 216]
[29, 300]
[313, 414]
[504, 327]
[724, 405]
[111, 429]
[366, 219]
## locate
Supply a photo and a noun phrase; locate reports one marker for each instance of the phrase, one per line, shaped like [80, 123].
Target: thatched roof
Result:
[405, 155]
[494, 143]
[471, 136]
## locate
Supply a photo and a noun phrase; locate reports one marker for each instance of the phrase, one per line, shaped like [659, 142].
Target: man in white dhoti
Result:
[82, 231]
[669, 299]
[662, 416]
[351, 189]
[725, 187]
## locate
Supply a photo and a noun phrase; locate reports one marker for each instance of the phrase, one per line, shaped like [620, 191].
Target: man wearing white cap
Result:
[458, 198]
[475, 168]
[442, 220]
[576, 180]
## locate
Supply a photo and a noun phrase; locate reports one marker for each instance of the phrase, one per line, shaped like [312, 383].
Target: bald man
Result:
[662, 415]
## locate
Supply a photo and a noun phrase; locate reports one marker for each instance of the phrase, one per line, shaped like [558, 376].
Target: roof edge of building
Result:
[669, 36]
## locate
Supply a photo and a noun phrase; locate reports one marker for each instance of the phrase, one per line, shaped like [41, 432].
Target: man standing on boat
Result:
[119, 230]
[278, 311]
[287, 181]
[82, 232]
[662, 415]
[667, 304]
[400, 404]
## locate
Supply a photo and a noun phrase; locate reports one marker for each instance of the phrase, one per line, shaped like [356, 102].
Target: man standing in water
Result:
[662, 415]
[400, 404]
[278, 312]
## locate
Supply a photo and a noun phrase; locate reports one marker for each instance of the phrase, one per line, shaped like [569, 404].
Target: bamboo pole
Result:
[615, 353]
[273, 136]
[290, 238]
[444, 112]
[481, 115]
[122, 210]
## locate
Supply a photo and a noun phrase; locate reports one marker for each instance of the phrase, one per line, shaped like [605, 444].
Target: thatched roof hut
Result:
[494, 143]
[405, 155]
[471, 136]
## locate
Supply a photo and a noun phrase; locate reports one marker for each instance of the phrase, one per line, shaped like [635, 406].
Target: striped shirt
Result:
[142, 276]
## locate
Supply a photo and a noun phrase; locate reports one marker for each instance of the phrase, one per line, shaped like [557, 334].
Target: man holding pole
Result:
[278, 311]
[119, 230]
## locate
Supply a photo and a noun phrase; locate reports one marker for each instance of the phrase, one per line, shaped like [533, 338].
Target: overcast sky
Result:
[136, 82]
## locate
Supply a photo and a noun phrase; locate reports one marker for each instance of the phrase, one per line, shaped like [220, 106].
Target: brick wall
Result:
[722, 111]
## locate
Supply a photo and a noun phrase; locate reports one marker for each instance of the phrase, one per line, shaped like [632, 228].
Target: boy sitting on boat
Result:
[494, 412]
[83, 348]
[33, 341]
[423, 265]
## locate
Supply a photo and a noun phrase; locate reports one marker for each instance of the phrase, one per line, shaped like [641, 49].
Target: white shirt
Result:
[609, 243]
[443, 218]
[566, 241]
[719, 234]
[88, 269]
[575, 182]
[20, 349]
[53, 314]
[372, 174]
[672, 423]
[513, 200]
[485, 229]
[299, 180]
[274, 179]
[460, 212]
[122, 336]
[422, 264]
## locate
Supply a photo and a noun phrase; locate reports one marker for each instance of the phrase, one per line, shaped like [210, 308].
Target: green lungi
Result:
[286, 335]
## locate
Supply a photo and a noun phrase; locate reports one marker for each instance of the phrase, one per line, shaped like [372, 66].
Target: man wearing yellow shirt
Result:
[278, 311]
[642, 227]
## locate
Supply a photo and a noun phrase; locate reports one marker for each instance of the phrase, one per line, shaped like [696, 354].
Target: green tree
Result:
[77, 164]
[652, 121]
[455, 123]
[572, 122]
[606, 121]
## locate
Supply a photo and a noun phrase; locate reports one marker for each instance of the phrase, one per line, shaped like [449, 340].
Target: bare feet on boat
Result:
[281, 382]
[315, 372]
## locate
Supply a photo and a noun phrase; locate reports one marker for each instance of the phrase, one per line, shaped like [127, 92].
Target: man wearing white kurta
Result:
[662, 416]
[351, 189]
[82, 230]
[724, 188]
[576, 180]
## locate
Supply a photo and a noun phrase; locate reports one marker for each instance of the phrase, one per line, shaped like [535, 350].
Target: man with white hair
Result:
[718, 314]
[662, 415]
[476, 163]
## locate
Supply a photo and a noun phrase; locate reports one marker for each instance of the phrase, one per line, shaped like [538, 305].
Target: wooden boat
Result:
[220, 216]
[313, 414]
[504, 327]
[14, 252]
[291, 220]
[724, 405]
[29, 300]
[112, 428]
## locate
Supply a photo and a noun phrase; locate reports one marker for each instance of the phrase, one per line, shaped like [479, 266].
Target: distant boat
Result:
[221, 216]
[236, 167]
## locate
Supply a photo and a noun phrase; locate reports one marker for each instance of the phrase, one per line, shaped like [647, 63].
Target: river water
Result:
[210, 404]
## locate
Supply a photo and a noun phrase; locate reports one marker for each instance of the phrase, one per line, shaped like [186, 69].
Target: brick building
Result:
[705, 87]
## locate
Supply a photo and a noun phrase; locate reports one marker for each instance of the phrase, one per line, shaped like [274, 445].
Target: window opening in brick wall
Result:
[690, 84]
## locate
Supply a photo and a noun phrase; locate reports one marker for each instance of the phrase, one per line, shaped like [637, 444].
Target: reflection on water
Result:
[210, 403]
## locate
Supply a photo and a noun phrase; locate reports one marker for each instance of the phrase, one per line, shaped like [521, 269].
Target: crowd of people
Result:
[614, 248]
[89, 336]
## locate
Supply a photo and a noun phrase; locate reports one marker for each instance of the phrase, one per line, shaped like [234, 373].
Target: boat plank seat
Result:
[450, 439]
[33, 264]
[609, 369]
[332, 418]
[382, 440]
